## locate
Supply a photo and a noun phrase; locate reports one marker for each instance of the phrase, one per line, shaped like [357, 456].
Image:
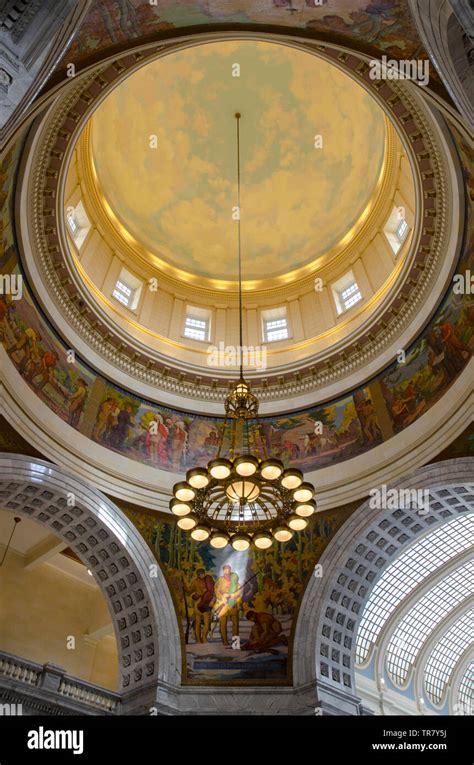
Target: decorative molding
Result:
[430, 244]
[151, 487]
[143, 614]
[374, 216]
[355, 559]
[32, 62]
[48, 689]
[433, 19]
[141, 607]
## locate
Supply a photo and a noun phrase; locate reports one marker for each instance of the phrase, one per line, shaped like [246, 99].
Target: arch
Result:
[406, 652]
[460, 698]
[446, 31]
[140, 604]
[118, 473]
[444, 657]
[408, 578]
[389, 638]
[325, 636]
[419, 691]
[407, 638]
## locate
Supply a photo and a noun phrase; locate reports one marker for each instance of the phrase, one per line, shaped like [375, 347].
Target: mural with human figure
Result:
[172, 440]
[42, 361]
[386, 24]
[237, 610]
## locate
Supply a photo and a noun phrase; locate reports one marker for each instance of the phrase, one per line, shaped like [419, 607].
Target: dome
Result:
[311, 162]
[325, 182]
[259, 489]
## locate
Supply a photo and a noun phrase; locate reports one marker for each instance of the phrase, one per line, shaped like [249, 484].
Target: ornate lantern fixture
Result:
[245, 497]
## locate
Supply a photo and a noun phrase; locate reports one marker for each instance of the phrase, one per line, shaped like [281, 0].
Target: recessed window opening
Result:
[346, 292]
[276, 330]
[196, 329]
[123, 293]
[197, 324]
[127, 289]
[275, 325]
[78, 224]
[396, 229]
[73, 224]
[351, 295]
[402, 230]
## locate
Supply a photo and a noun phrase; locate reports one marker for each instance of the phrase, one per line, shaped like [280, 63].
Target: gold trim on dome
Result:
[104, 217]
[301, 345]
[423, 262]
[119, 238]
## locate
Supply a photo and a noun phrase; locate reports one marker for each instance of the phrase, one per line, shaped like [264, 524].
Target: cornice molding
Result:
[357, 557]
[366, 351]
[354, 241]
[124, 478]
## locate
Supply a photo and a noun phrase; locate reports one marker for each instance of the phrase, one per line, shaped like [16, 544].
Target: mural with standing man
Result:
[237, 610]
[320, 435]
[315, 437]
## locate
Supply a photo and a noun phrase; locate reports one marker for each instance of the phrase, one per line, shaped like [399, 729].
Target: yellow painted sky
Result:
[297, 201]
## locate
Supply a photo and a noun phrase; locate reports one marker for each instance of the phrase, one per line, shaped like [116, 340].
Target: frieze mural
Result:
[315, 437]
[311, 438]
[387, 25]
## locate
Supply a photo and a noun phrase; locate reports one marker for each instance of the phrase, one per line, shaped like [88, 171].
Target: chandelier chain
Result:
[239, 246]
[242, 499]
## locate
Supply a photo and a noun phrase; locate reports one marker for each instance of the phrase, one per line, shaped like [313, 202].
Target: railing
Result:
[18, 669]
[53, 685]
[86, 694]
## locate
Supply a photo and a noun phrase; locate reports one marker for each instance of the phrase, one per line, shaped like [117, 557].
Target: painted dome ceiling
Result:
[298, 201]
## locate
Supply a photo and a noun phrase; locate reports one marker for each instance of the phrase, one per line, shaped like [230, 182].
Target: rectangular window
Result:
[350, 296]
[196, 329]
[396, 229]
[197, 323]
[275, 325]
[72, 222]
[78, 224]
[275, 329]
[402, 230]
[128, 289]
[123, 293]
[346, 292]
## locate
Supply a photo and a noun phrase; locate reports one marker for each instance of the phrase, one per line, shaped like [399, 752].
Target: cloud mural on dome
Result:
[352, 424]
[298, 201]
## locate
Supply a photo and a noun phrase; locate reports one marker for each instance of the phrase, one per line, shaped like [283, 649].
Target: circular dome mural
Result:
[312, 148]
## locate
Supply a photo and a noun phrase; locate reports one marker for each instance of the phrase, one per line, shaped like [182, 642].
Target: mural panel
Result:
[309, 439]
[237, 610]
[317, 436]
[386, 24]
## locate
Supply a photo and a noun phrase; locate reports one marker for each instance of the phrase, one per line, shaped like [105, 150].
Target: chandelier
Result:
[245, 497]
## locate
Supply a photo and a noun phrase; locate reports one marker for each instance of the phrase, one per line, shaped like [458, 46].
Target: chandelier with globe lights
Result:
[245, 497]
